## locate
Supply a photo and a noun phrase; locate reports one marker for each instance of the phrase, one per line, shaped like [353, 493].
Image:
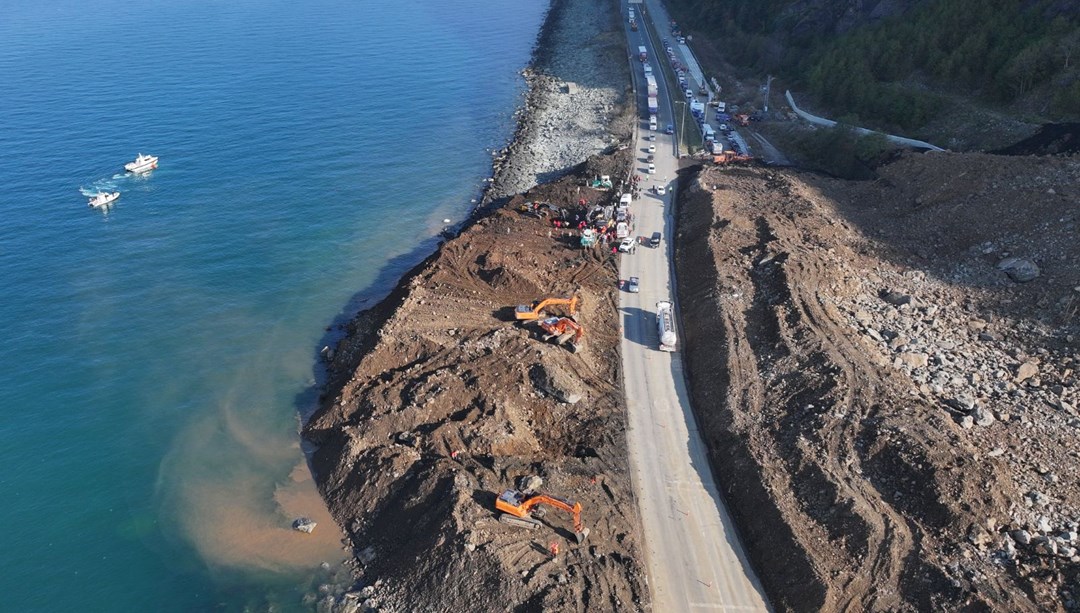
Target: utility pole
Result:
[682, 123]
[768, 86]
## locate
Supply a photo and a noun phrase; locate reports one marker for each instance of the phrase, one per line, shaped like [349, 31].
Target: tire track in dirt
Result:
[858, 485]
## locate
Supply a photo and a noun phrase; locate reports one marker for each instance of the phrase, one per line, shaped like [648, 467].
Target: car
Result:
[659, 189]
[652, 149]
[632, 285]
[670, 129]
[650, 158]
[627, 245]
[652, 169]
[654, 240]
[651, 137]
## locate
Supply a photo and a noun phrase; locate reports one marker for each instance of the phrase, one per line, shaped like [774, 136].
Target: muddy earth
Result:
[445, 401]
[885, 373]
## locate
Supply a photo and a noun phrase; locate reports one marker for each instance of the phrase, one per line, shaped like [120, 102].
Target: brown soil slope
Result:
[445, 402]
[890, 416]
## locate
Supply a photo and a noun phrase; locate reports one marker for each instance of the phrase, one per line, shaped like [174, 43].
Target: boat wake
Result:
[107, 184]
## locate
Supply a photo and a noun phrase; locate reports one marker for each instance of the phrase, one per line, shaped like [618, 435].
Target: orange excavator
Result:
[525, 312]
[516, 508]
[742, 119]
[562, 329]
[730, 157]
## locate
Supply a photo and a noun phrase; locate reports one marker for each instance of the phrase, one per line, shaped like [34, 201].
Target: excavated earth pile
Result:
[445, 401]
[885, 376]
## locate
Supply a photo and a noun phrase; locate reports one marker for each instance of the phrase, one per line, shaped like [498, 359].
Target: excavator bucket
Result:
[581, 536]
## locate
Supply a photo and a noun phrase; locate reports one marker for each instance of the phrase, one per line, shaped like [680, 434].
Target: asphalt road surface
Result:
[694, 559]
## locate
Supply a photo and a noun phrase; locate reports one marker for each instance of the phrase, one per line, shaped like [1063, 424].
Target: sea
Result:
[157, 357]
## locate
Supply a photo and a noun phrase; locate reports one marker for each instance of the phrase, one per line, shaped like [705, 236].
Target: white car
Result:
[627, 245]
[659, 189]
[651, 137]
[652, 148]
[652, 169]
[632, 285]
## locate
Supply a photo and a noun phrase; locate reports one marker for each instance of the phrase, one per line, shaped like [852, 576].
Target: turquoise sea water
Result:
[155, 356]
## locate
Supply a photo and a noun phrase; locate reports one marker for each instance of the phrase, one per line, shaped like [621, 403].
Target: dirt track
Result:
[828, 340]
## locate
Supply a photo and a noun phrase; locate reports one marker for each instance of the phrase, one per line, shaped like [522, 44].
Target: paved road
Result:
[693, 556]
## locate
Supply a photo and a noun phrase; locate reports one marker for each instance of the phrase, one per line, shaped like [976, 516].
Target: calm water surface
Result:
[155, 356]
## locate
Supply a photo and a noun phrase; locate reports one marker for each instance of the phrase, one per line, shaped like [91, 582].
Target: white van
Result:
[707, 133]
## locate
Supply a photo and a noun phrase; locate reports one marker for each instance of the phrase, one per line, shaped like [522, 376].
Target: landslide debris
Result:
[891, 411]
[444, 401]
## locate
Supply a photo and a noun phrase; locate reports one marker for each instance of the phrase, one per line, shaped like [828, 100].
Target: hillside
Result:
[905, 66]
[890, 403]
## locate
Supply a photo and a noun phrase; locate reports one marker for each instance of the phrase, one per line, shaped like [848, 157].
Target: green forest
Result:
[999, 51]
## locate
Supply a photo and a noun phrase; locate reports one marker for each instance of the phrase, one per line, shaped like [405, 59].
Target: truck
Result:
[650, 82]
[654, 105]
[643, 55]
[665, 325]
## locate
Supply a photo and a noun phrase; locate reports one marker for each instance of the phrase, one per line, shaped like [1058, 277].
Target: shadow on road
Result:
[638, 326]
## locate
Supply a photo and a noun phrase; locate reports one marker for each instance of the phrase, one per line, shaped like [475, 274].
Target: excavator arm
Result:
[517, 508]
[571, 507]
[526, 312]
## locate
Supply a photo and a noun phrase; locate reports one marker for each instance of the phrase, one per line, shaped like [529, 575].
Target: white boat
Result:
[142, 163]
[101, 199]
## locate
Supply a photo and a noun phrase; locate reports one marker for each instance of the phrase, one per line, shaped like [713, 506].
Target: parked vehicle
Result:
[665, 325]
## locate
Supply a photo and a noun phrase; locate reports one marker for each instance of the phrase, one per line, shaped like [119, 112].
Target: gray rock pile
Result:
[562, 126]
[1010, 382]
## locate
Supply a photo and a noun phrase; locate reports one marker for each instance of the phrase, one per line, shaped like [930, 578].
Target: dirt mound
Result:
[445, 402]
[874, 425]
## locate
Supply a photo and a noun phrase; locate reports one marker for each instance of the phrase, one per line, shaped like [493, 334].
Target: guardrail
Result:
[821, 121]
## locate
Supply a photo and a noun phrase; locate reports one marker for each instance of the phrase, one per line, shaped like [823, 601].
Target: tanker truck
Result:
[665, 325]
